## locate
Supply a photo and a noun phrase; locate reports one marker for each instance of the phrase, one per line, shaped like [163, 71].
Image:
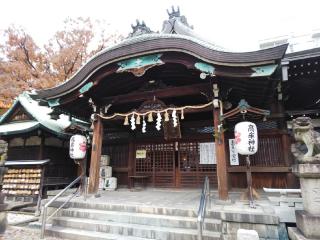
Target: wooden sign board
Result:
[171, 132]
[141, 154]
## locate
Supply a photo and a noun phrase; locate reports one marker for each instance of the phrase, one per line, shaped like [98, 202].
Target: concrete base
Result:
[3, 222]
[295, 234]
[244, 234]
[308, 224]
[3, 214]
[308, 220]
[309, 175]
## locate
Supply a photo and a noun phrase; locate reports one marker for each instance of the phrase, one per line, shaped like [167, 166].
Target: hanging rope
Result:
[156, 111]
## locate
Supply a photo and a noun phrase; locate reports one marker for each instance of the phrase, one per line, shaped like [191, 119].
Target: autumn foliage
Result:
[26, 66]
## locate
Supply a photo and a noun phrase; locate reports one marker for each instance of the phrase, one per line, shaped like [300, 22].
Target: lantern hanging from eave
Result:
[78, 147]
[246, 138]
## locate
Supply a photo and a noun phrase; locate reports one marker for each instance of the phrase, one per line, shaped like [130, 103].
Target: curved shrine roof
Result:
[176, 36]
[158, 43]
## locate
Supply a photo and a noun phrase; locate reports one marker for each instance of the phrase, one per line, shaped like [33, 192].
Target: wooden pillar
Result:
[131, 164]
[222, 174]
[95, 155]
[41, 148]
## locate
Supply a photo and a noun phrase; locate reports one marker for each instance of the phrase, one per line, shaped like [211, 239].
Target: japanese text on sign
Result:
[246, 138]
[251, 138]
[234, 157]
[207, 153]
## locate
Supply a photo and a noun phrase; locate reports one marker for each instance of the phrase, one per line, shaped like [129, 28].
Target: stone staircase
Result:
[93, 221]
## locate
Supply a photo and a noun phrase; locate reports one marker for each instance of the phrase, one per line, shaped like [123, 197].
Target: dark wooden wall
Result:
[60, 170]
[60, 165]
[271, 166]
[119, 160]
[165, 166]
[23, 153]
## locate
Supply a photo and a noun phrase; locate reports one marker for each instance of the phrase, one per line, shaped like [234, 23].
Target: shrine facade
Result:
[158, 102]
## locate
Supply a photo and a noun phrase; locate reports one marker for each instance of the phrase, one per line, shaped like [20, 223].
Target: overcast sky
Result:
[236, 25]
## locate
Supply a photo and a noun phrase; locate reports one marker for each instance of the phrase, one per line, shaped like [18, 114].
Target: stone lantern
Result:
[308, 171]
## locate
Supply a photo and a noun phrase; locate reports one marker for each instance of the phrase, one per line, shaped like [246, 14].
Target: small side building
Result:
[33, 133]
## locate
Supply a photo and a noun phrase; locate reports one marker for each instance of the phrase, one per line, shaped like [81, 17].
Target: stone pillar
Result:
[3, 214]
[3, 170]
[308, 220]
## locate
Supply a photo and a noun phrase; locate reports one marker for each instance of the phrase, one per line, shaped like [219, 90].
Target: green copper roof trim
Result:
[263, 70]
[244, 106]
[54, 102]
[140, 62]
[204, 67]
[9, 111]
[86, 87]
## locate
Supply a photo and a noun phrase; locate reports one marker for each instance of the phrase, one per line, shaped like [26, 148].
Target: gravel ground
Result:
[20, 233]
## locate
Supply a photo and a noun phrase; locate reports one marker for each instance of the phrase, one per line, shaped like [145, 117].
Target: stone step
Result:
[142, 218]
[79, 234]
[128, 208]
[135, 230]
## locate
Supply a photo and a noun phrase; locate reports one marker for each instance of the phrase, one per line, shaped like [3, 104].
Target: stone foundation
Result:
[265, 223]
[308, 220]
[308, 224]
[3, 215]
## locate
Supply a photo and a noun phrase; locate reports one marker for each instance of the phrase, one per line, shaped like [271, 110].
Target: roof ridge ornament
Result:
[139, 29]
[174, 13]
[177, 23]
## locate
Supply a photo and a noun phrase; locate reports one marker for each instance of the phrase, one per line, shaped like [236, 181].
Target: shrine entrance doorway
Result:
[173, 164]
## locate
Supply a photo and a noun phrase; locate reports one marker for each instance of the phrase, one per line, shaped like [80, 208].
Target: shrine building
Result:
[151, 102]
[163, 106]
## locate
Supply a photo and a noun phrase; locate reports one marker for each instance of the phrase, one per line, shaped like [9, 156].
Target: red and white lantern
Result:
[246, 138]
[78, 147]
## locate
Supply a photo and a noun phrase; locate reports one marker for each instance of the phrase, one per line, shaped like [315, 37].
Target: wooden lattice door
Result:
[191, 173]
[158, 162]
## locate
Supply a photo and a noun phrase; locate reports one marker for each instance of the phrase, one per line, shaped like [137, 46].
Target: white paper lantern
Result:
[78, 147]
[246, 138]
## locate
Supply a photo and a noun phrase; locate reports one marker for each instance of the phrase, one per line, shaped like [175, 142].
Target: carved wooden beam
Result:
[161, 93]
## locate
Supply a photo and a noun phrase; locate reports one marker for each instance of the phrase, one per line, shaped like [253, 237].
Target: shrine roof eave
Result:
[305, 54]
[160, 43]
[17, 128]
[41, 119]
[26, 162]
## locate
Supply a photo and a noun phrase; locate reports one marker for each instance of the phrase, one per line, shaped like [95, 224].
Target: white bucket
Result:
[105, 160]
[101, 183]
[105, 172]
[110, 183]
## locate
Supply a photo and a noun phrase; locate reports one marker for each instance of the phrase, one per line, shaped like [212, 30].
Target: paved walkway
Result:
[20, 233]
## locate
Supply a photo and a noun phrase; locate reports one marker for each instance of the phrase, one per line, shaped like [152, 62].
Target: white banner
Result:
[207, 153]
[234, 157]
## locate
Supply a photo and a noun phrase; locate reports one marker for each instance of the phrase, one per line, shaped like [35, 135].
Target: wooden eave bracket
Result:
[243, 108]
